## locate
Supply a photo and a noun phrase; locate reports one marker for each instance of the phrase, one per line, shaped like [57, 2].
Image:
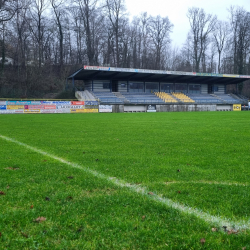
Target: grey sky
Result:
[176, 10]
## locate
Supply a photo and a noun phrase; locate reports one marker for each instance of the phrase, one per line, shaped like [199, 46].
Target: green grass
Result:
[211, 150]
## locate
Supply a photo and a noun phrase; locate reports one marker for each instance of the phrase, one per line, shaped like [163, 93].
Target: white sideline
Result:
[207, 182]
[213, 220]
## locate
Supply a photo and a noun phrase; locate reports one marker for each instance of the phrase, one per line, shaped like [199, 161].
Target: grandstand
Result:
[167, 98]
[129, 87]
[183, 98]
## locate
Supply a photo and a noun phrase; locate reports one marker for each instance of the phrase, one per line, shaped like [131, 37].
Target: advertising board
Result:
[70, 107]
[57, 102]
[62, 111]
[31, 111]
[7, 111]
[23, 102]
[91, 103]
[3, 103]
[33, 106]
[49, 106]
[77, 110]
[151, 108]
[105, 109]
[90, 110]
[18, 111]
[15, 106]
[237, 107]
[3, 107]
[48, 111]
[77, 103]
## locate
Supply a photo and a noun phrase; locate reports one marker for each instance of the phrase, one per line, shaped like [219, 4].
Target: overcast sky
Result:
[176, 10]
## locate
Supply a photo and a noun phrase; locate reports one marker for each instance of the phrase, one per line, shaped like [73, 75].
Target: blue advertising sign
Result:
[3, 107]
[91, 103]
[57, 102]
[23, 102]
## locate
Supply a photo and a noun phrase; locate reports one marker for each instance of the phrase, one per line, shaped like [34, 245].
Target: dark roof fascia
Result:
[174, 76]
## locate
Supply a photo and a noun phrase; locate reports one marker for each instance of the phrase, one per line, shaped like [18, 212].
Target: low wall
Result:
[164, 108]
[185, 108]
[224, 107]
[26, 107]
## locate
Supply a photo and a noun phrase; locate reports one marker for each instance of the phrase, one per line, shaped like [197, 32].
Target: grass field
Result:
[125, 181]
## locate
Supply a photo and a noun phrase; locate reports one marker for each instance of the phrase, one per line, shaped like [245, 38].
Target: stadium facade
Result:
[135, 90]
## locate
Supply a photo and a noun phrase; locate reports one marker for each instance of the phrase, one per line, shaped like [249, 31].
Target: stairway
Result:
[84, 96]
[217, 97]
[120, 96]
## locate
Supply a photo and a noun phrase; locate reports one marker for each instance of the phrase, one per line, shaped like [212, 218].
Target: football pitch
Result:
[125, 181]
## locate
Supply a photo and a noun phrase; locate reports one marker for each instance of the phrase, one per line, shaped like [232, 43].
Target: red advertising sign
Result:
[77, 103]
[49, 106]
[35, 106]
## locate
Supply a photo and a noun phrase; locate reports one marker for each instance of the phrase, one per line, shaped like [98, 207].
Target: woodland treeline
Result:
[42, 41]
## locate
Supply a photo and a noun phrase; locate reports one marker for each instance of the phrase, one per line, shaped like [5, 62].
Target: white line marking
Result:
[208, 182]
[215, 220]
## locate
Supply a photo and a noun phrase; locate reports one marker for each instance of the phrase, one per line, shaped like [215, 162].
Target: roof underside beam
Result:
[130, 76]
[74, 74]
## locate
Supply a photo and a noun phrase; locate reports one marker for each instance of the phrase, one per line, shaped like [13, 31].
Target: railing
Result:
[167, 101]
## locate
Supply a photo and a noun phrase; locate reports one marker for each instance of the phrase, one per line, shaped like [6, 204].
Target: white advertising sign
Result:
[105, 108]
[8, 111]
[71, 107]
[48, 111]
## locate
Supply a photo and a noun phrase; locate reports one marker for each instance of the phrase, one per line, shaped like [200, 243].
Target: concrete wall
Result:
[224, 107]
[185, 108]
[169, 108]
[117, 108]
[135, 108]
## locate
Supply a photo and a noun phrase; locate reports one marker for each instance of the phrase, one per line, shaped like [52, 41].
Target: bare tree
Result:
[116, 12]
[91, 18]
[202, 25]
[220, 35]
[240, 24]
[159, 30]
[8, 9]
[37, 24]
[58, 8]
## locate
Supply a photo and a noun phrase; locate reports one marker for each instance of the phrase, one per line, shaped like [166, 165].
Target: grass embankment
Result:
[198, 160]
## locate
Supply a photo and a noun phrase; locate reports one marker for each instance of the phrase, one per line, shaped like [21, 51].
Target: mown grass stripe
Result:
[215, 220]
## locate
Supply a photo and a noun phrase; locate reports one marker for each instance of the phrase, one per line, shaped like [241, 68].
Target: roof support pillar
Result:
[73, 82]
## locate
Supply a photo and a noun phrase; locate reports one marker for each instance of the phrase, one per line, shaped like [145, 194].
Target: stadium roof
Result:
[127, 74]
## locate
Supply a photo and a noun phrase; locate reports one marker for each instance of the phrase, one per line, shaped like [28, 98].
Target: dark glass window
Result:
[106, 85]
[181, 87]
[194, 89]
[166, 87]
[136, 87]
[216, 88]
[152, 87]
